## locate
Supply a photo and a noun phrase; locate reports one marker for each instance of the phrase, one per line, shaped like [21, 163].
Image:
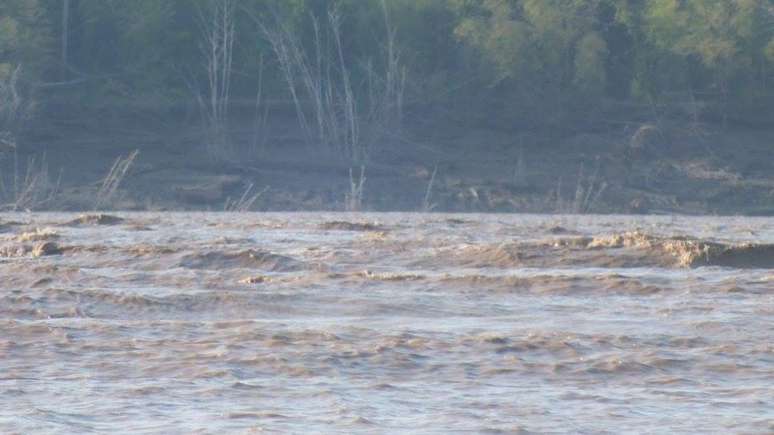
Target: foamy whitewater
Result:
[398, 323]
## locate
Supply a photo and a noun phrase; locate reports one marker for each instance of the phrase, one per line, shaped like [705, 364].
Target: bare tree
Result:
[14, 108]
[12, 113]
[261, 116]
[287, 50]
[342, 119]
[349, 130]
[353, 200]
[319, 75]
[394, 81]
[65, 35]
[218, 36]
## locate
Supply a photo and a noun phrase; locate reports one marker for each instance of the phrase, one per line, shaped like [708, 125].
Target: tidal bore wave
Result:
[385, 323]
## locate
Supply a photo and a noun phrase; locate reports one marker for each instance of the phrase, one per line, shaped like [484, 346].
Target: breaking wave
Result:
[248, 259]
[631, 249]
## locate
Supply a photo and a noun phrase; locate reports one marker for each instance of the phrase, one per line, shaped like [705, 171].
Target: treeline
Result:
[525, 63]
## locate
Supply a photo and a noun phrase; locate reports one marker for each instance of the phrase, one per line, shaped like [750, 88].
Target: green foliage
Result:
[590, 74]
[24, 37]
[511, 56]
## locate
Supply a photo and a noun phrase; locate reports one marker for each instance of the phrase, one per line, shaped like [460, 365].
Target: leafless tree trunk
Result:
[395, 74]
[386, 87]
[351, 135]
[321, 76]
[261, 116]
[65, 35]
[15, 109]
[286, 49]
[353, 200]
[12, 107]
[218, 32]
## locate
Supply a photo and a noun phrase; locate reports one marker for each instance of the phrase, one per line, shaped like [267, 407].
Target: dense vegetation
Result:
[518, 64]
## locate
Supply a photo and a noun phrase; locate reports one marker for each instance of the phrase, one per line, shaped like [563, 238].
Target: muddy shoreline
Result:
[637, 168]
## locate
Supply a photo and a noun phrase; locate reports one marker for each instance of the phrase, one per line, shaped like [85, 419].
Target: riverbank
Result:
[641, 168]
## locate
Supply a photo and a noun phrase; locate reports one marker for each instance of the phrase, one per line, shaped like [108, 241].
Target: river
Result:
[397, 323]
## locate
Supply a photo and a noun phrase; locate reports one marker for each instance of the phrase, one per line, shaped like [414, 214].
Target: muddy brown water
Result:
[234, 323]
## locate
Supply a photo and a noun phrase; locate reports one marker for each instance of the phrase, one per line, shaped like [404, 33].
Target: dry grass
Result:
[106, 193]
[644, 137]
[427, 204]
[246, 201]
[30, 189]
[520, 170]
[588, 191]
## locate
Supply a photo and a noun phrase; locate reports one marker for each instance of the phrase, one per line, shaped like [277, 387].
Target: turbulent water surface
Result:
[385, 323]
